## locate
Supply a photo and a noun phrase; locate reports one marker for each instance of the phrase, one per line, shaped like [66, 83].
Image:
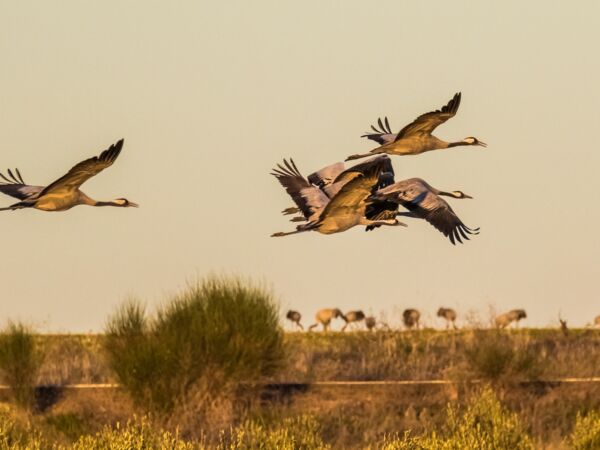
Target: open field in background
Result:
[524, 354]
[356, 416]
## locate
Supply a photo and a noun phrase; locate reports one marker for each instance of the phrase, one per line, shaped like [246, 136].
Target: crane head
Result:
[460, 194]
[474, 141]
[125, 203]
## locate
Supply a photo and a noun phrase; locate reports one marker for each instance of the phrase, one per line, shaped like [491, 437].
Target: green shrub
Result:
[484, 425]
[219, 331]
[135, 435]
[14, 435]
[586, 433]
[20, 361]
[295, 433]
[495, 355]
[68, 424]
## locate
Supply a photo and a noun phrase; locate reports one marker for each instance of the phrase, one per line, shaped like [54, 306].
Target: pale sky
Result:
[210, 96]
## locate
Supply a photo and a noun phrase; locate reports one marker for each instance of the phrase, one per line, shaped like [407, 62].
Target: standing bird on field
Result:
[449, 315]
[423, 201]
[345, 209]
[63, 193]
[504, 320]
[370, 323]
[353, 317]
[411, 317]
[416, 137]
[325, 316]
[294, 317]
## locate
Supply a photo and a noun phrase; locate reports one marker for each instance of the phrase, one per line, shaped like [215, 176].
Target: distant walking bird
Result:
[416, 137]
[325, 316]
[423, 201]
[411, 317]
[504, 320]
[449, 315]
[370, 323]
[353, 317]
[294, 317]
[346, 208]
[63, 193]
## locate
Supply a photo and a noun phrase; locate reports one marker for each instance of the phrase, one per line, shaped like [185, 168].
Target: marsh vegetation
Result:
[211, 368]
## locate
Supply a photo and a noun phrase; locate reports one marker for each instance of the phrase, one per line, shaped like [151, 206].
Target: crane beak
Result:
[482, 144]
[467, 196]
[135, 205]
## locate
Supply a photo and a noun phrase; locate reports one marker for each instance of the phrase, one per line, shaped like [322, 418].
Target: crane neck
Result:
[101, 203]
[447, 194]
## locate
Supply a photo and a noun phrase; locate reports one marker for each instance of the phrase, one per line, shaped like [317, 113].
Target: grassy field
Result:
[518, 355]
[511, 362]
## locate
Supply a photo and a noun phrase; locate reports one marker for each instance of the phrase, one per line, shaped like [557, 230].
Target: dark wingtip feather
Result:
[20, 177]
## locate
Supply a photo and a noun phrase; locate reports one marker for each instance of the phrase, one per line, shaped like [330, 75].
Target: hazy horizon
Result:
[210, 97]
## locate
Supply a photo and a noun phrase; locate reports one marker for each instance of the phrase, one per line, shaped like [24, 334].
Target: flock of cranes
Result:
[337, 198]
[331, 200]
[410, 319]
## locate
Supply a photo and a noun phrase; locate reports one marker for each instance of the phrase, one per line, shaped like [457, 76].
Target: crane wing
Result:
[85, 170]
[309, 199]
[326, 175]
[382, 135]
[438, 213]
[382, 164]
[360, 182]
[12, 184]
[418, 196]
[426, 123]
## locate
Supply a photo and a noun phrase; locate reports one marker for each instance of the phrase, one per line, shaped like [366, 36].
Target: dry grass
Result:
[359, 416]
[383, 355]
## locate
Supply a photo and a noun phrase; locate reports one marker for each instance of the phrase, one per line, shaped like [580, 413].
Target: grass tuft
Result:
[586, 433]
[217, 332]
[494, 355]
[20, 362]
[485, 425]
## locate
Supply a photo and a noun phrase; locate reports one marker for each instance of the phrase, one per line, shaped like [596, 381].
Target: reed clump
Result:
[20, 362]
[219, 332]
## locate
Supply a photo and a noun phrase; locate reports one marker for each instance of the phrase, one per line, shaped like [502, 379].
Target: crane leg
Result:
[281, 233]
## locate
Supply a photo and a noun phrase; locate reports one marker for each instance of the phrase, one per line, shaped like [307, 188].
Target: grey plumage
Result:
[411, 317]
[332, 178]
[353, 317]
[63, 193]
[383, 134]
[503, 320]
[295, 317]
[345, 209]
[416, 137]
[16, 187]
[425, 202]
[449, 315]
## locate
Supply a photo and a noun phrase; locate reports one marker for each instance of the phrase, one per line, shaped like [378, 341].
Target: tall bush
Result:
[494, 355]
[218, 331]
[20, 362]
